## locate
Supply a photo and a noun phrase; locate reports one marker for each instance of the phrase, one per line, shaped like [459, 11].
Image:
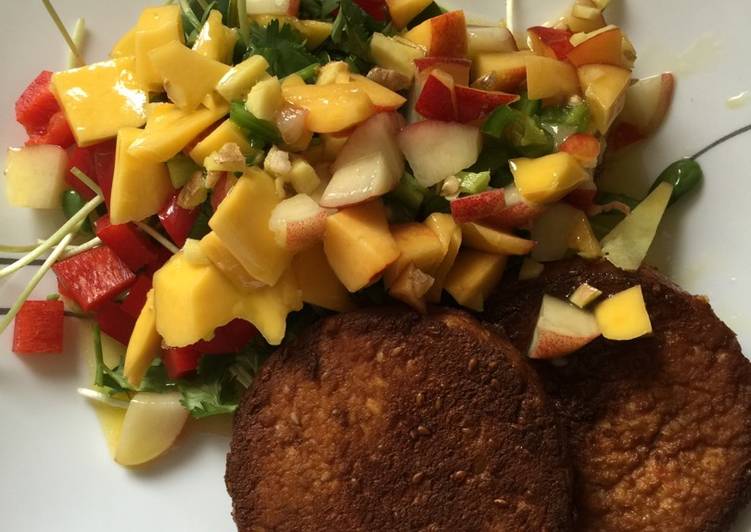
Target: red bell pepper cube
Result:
[93, 277]
[39, 327]
[83, 159]
[104, 167]
[177, 221]
[163, 255]
[180, 361]
[220, 191]
[136, 299]
[128, 242]
[230, 338]
[57, 132]
[37, 104]
[115, 322]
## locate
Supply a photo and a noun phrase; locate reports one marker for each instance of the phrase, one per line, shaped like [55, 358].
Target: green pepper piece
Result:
[685, 175]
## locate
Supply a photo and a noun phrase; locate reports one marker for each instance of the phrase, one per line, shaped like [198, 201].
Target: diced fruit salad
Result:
[235, 170]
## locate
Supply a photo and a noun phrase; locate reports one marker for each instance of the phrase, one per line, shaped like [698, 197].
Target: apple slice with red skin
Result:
[444, 35]
[273, 7]
[457, 67]
[437, 150]
[369, 165]
[478, 206]
[561, 329]
[298, 222]
[475, 104]
[517, 213]
[584, 147]
[437, 100]
[549, 42]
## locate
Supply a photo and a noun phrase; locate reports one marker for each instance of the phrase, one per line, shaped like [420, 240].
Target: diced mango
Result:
[226, 133]
[242, 224]
[411, 286]
[126, 46]
[192, 301]
[330, 71]
[139, 188]
[265, 99]
[238, 81]
[418, 245]
[547, 179]
[582, 238]
[215, 41]
[144, 345]
[35, 176]
[226, 263]
[303, 177]
[624, 315]
[550, 78]
[604, 88]
[156, 27]
[403, 11]
[395, 54]
[170, 132]
[359, 245]
[187, 75]
[474, 276]
[450, 236]
[509, 68]
[319, 284]
[491, 240]
[331, 108]
[382, 98]
[85, 93]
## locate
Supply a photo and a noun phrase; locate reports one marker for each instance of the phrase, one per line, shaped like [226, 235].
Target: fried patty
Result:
[660, 427]
[385, 420]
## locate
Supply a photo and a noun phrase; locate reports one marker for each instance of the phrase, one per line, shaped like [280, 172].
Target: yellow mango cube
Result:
[403, 11]
[86, 93]
[191, 301]
[491, 240]
[319, 284]
[156, 27]
[215, 40]
[226, 133]
[547, 179]
[395, 54]
[418, 245]
[624, 315]
[265, 99]
[144, 345]
[187, 75]
[411, 287]
[604, 88]
[474, 276]
[450, 236]
[359, 245]
[139, 188]
[126, 46]
[171, 130]
[315, 31]
[242, 224]
[238, 81]
[331, 108]
[215, 250]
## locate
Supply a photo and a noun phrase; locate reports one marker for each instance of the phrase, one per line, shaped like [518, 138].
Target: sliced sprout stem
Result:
[203, 4]
[103, 398]
[86, 180]
[79, 39]
[71, 251]
[153, 233]
[71, 225]
[63, 31]
[18, 249]
[41, 272]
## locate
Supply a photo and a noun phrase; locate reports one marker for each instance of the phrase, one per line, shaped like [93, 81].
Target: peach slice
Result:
[550, 78]
[331, 108]
[403, 11]
[561, 329]
[384, 99]
[509, 69]
[443, 36]
[624, 315]
[604, 46]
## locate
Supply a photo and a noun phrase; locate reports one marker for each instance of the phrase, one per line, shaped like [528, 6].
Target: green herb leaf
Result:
[352, 31]
[72, 202]
[473, 182]
[282, 46]
[260, 132]
[318, 9]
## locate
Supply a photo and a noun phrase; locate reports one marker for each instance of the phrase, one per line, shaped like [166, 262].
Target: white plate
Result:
[56, 471]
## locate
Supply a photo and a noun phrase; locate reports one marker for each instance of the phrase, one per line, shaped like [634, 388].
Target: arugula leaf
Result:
[353, 29]
[282, 46]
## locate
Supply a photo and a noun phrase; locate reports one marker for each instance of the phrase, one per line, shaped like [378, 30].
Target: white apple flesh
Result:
[437, 150]
[647, 102]
[272, 7]
[298, 222]
[561, 329]
[490, 39]
[369, 165]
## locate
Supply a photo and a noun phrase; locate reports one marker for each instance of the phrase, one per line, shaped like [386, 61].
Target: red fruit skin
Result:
[374, 8]
[180, 362]
[39, 328]
[478, 206]
[114, 321]
[93, 277]
[230, 338]
[163, 255]
[128, 242]
[475, 104]
[586, 148]
[104, 167]
[559, 41]
[582, 198]
[56, 132]
[222, 188]
[83, 159]
[436, 101]
[177, 221]
[37, 104]
[136, 299]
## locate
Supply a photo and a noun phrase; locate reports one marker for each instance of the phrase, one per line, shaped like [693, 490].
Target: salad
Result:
[236, 169]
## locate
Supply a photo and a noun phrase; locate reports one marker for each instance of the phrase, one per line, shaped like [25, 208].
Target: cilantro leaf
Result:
[282, 46]
[353, 29]
[317, 9]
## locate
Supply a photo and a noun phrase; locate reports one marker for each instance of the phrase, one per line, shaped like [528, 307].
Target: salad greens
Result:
[282, 46]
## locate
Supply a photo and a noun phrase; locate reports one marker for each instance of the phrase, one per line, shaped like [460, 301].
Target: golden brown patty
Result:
[384, 420]
[661, 426]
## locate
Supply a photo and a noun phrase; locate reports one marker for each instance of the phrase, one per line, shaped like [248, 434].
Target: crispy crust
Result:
[387, 420]
[661, 426]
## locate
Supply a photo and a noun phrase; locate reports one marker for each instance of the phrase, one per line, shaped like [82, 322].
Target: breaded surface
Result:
[385, 420]
[660, 427]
